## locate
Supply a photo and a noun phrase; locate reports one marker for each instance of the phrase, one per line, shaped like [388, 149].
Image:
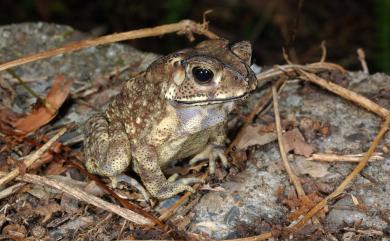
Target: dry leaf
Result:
[293, 140]
[41, 116]
[302, 205]
[69, 204]
[47, 211]
[354, 200]
[254, 135]
[314, 169]
[15, 231]
[56, 168]
[239, 159]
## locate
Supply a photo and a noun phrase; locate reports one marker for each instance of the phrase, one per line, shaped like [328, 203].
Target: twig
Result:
[171, 210]
[290, 68]
[260, 105]
[370, 232]
[345, 93]
[285, 56]
[86, 197]
[25, 86]
[11, 190]
[125, 203]
[347, 180]
[327, 157]
[291, 174]
[32, 158]
[184, 26]
[260, 237]
[362, 58]
[323, 56]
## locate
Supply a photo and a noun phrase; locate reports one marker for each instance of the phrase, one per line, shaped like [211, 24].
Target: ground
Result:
[253, 197]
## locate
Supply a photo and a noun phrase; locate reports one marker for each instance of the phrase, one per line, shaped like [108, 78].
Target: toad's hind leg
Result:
[146, 165]
[106, 147]
[107, 151]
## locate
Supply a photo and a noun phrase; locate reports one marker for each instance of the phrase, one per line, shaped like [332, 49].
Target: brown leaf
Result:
[304, 204]
[254, 135]
[56, 168]
[15, 231]
[239, 159]
[42, 115]
[47, 211]
[293, 140]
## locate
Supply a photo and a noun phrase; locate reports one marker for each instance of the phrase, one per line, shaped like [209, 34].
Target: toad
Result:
[177, 108]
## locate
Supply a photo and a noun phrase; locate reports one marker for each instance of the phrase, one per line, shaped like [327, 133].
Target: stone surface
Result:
[87, 67]
[352, 130]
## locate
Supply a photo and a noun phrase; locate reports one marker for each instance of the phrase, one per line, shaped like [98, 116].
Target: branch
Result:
[31, 158]
[88, 198]
[184, 26]
[345, 93]
[291, 174]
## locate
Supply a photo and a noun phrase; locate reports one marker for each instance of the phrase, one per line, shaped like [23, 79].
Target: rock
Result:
[86, 66]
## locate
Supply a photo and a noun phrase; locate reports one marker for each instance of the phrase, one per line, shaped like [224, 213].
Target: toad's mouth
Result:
[211, 102]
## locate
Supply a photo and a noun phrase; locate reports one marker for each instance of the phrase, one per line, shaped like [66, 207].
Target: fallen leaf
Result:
[254, 135]
[15, 231]
[239, 159]
[69, 204]
[45, 113]
[354, 200]
[56, 168]
[293, 140]
[47, 211]
[301, 205]
[325, 129]
[314, 169]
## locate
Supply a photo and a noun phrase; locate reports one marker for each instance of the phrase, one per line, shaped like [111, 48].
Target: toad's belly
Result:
[181, 147]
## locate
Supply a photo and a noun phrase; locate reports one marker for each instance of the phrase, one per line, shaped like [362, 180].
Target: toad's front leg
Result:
[146, 165]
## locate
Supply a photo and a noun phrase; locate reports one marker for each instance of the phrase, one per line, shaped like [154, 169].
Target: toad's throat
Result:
[210, 102]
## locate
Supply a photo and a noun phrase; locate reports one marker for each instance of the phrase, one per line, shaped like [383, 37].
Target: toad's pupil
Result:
[202, 75]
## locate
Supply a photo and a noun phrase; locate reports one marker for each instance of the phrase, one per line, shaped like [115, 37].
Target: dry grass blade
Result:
[362, 59]
[11, 190]
[263, 236]
[170, 211]
[185, 26]
[86, 197]
[291, 174]
[290, 69]
[347, 180]
[32, 158]
[260, 105]
[327, 157]
[345, 93]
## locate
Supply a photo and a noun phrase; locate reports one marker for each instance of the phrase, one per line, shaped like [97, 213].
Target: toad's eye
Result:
[202, 75]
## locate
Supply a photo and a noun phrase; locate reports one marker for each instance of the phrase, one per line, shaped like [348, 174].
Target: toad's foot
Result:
[152, 176]
[211, 152]
[169, 189]
[131, 182]
[185, 180]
